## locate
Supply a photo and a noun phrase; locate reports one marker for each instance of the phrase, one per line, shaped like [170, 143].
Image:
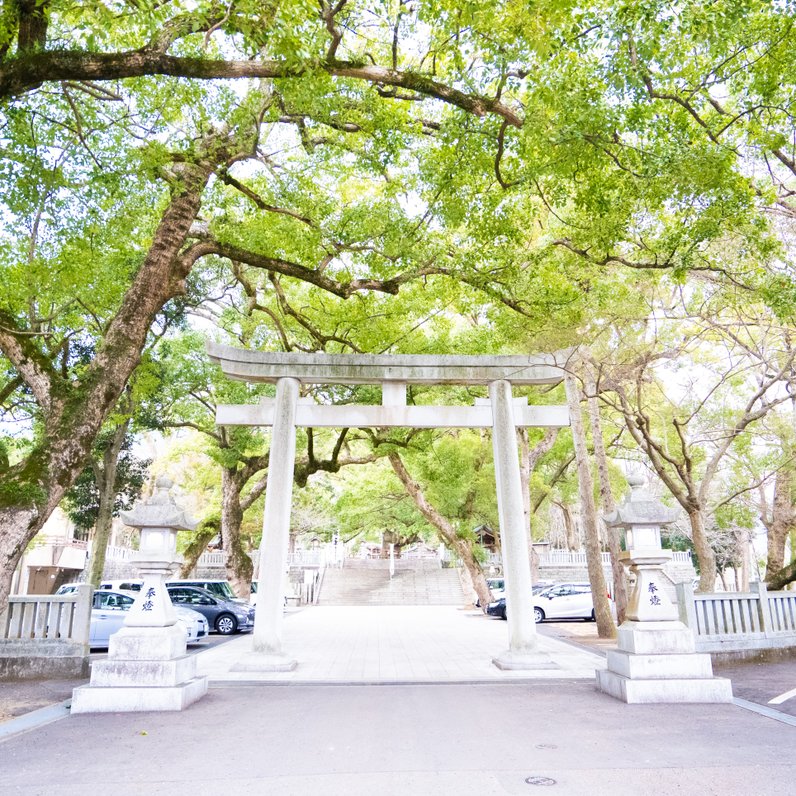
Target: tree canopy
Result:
[368, 176]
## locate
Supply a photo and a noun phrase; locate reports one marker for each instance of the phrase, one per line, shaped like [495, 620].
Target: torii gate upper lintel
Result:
[394, 372]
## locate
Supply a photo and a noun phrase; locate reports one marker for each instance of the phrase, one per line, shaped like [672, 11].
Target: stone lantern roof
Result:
[159, 510]
[640, 508]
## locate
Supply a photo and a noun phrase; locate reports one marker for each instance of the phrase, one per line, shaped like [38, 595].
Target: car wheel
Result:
[226, 624]
[592, 617]
[538, 615]
[503, 613]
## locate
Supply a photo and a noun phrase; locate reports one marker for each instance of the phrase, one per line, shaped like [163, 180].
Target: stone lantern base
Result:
[146, 669]
[657, 662]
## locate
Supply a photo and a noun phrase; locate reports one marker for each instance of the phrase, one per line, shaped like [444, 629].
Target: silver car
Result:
[110, 610]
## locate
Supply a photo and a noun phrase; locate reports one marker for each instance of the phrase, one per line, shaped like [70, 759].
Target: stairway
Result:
[368, 582]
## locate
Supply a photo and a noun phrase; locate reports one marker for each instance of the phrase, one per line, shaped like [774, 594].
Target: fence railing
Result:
[117, 553]
[48, 617]
[44, 635]
[570, 558]
[739, 621]
[300, 558]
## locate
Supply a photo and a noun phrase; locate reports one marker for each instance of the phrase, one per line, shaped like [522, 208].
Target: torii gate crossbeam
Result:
[501, 412]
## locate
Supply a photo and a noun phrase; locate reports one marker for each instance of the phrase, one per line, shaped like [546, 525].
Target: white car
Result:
[563, 601]
[106, 585]
[110, 609]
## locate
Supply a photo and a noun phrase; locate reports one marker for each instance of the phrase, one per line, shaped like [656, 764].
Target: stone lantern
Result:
[655, 659]
[642, 518]
[147, 667]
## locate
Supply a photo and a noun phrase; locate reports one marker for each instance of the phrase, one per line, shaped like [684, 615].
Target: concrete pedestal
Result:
[518, 660]
[146, 669]
[656, 662]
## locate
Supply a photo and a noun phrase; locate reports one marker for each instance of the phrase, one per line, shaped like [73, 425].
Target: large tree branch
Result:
[29, 70]
[33, 368]
[313, 276]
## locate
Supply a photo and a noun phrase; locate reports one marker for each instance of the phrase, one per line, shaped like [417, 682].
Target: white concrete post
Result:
[522, 652]
[276, 533]
[761, 589]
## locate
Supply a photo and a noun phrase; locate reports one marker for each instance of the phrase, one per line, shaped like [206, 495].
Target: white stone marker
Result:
[656, 659]
[267, 654]
[147, 667]
[523, 652]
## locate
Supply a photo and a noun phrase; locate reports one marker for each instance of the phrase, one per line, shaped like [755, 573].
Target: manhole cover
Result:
[539, 781]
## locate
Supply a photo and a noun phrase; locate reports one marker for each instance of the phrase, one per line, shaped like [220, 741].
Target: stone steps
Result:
[373, 586]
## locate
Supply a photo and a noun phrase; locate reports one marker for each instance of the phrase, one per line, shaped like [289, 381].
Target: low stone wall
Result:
[45, 636]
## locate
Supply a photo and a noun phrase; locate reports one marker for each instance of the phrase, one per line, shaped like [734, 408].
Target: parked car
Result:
[564, 601]
[109, 611]
[560, 601]
[221, 588]
[224, 616]
[497, 608]
[497, 586]
[67, 588]
[122, 585]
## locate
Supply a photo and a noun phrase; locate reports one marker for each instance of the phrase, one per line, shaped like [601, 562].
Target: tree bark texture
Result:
[703, 550]
[602, 606]
[608, 504]
[237, 562]
[781, 522]
[208, 528]
[105, 476]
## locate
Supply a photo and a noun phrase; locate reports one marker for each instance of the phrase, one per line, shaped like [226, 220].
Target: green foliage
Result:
[83, 498]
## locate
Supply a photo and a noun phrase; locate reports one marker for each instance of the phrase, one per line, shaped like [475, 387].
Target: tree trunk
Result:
[237, 561]
[779, 580]
[207, 529]
[571, 532]
[461, 547]
[18, 526]
[781, 522]
[74, 415]
[602, 606]
[608, 504]
[528, 460]
[105, 476]
[704, 552]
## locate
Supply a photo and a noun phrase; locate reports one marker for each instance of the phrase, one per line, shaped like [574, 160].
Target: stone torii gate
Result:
[501, 412]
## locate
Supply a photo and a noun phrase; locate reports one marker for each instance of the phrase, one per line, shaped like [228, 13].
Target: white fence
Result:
[319, 558]
[116, 553]
[739, 621]
[45, 635]
[569, 558]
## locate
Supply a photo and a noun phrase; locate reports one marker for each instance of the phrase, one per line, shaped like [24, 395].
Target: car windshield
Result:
[225, 590]
[112, 600]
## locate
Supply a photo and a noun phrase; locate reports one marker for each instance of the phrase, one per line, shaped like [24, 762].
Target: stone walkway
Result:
[396, 644]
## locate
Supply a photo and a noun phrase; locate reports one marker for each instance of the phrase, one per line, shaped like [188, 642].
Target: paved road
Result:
[411, 740]
[757, 681]
[772, 684]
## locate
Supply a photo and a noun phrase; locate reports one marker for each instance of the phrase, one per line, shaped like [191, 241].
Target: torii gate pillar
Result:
[523, 640]
[267, 652]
